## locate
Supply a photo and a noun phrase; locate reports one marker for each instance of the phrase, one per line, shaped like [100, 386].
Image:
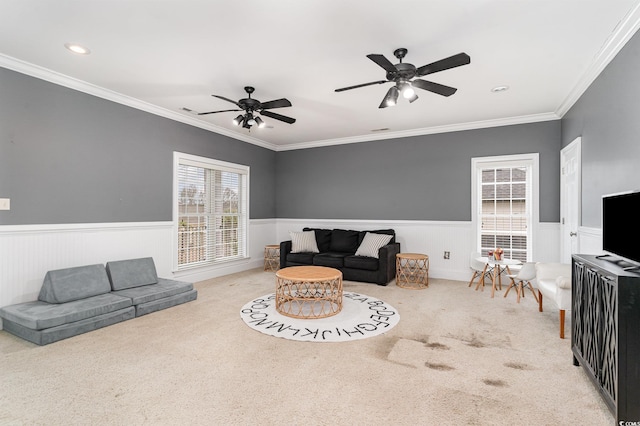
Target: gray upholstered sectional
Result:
[76, 300]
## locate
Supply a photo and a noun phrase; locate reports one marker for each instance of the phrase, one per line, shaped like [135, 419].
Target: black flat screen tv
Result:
[621, 225]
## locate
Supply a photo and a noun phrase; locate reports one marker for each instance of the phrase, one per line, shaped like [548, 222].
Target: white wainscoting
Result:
[546, 243]
[433, 238]
[27, 252]
[590, 240]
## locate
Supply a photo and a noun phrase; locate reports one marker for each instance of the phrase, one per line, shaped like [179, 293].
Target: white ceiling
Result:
[163, 55]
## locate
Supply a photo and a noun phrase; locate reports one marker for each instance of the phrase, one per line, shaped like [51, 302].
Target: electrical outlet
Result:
[5, 204]
[447, 255]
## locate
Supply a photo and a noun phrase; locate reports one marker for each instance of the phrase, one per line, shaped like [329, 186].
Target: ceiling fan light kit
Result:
[403, 75]
[249, 106]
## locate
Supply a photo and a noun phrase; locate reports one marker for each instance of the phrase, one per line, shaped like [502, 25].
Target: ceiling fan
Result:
[402, 74]
[251, 107]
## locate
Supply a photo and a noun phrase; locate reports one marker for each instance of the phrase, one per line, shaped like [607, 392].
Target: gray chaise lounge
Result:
[73, 301]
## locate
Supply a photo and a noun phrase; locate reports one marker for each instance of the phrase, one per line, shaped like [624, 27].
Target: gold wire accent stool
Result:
[412, 270]
[271, 257]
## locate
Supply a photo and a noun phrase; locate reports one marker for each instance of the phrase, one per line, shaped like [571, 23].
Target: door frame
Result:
[564, 237]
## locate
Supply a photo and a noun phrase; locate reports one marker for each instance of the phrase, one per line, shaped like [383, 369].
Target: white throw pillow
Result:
[371, 243]
[303, 242]
[563, 282]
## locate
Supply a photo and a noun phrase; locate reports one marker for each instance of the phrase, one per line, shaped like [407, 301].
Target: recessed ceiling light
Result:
[76, 48]
[500, 89]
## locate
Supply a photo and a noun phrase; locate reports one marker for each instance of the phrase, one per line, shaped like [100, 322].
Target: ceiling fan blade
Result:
[382, 61]
[226, 99]
[278, 103]
[433, 87]
[215, 112]
[444, 64]
[361, 85]
[278, 117]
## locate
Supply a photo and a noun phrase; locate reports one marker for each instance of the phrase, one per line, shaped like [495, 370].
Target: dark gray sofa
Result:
[77, 300]
[337, 248]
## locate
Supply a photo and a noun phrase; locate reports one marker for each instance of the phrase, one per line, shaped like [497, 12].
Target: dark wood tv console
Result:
[605, 331]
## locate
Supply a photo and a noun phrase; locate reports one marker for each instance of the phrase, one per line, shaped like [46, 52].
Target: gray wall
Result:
[418, 178]
[607, 116]
[68, 157]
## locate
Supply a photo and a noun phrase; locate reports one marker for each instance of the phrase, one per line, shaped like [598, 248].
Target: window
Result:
[211, 211]
[504, 200]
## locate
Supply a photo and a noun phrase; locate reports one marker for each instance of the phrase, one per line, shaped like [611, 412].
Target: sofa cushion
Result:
[362, 262]
[132, 273]
[343, 241]
[66, 285]
[303, 242]
[148, 293]
[40, 315]
[301, 258]
[372, 243]
[53, 334]
[330, 259]
[323, 238]
[167, 302]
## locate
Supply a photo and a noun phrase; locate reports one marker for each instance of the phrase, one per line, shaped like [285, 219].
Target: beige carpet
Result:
[457, 357]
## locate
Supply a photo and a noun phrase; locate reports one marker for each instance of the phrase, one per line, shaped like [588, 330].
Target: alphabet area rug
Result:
[361, 317]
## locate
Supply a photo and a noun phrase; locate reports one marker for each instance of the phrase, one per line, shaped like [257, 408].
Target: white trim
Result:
[29, 251]
[210, 163]
[534, 160]
[618, 38]
[100, 92]
[577, 144]
[508, 121]
[378, 223]
[80, 227]
[590, 240]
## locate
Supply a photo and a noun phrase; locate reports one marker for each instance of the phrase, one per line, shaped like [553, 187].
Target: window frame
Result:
[180, 158]
[530, 161]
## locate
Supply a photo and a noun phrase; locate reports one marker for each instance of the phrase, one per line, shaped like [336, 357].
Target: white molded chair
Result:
[478, 268]
[554, 283]
[525, 275]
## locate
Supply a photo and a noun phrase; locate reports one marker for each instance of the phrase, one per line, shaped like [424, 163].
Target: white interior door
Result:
[570, 200]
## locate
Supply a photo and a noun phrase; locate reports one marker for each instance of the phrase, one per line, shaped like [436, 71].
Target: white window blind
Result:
[212, 204]
[504, 211]
[505, 204]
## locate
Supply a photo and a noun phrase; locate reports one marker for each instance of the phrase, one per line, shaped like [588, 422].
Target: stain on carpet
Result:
[518, 366]
[495, 383]
[440, 367]
[475, 343]
[436, 345]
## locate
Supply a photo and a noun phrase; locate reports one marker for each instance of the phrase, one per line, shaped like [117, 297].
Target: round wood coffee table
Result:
[308, 292]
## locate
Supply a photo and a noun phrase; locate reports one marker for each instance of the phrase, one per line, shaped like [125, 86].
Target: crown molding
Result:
[626, 28]
[623, 32]
[508, 121]
[91, 89]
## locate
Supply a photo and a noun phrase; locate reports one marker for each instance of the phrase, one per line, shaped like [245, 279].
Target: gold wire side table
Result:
[271, 257]
[412, 270]
[308, 292]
